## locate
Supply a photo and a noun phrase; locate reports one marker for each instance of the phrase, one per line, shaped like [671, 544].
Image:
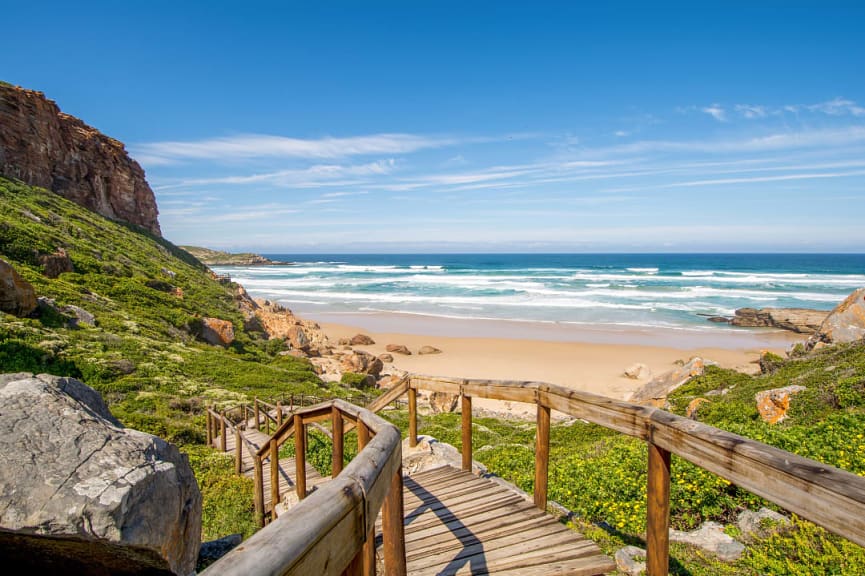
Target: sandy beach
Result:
[576, 357]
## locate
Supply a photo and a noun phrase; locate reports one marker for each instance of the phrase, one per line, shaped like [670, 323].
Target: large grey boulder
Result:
[82, 494]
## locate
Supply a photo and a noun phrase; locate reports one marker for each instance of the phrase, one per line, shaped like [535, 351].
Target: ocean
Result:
[614, 290]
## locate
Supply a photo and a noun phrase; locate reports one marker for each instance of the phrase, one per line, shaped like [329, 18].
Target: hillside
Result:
[148, 298]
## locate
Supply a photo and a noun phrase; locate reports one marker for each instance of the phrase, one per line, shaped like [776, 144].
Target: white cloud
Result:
[751, 111]
[716, 111]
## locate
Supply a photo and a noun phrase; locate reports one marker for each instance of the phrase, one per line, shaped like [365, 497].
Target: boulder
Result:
[385, 357]
[389, 381]
[429, 350]
[82, 494]
[638, 372]
[443, 402]
[361, 340]
[655, 391]
[694, 407]
[213, 550]
[801, 320]
[361, 362]
[53, 265]
[74, 316]
[762, 523]
[17, 295]
[217, 332]
[429, 453]
[846, 323]
[398, 349]
[773, 404]
[631, 560]
[711, 538]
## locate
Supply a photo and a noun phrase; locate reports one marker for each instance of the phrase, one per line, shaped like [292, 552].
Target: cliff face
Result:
[44, 147]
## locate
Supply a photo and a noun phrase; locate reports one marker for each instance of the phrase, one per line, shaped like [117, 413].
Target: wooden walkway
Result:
[458, 523]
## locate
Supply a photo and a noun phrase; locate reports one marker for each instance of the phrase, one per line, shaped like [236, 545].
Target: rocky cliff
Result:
[44, 147]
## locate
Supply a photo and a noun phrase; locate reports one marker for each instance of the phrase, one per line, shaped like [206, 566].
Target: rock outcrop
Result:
[42, 146]
[656, 390]
[429, 350]
[17, 296]
[279, 322]
[801, 320]
[217, 332]
[82, 494]
[846, 323]
[773, 404]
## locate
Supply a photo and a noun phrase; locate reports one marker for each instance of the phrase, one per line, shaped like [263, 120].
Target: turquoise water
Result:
[645, 290]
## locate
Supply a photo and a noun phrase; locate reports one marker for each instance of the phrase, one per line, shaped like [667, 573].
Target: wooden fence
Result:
[832, 498]
[332, 530]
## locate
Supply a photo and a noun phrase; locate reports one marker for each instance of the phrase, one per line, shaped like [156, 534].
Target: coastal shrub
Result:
[227, 499]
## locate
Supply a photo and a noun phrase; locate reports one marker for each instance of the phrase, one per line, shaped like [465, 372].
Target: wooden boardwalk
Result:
[458, 523]
[287, 467]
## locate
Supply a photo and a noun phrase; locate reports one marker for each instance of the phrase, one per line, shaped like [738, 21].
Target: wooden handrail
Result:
[329, 530]
[828, 496]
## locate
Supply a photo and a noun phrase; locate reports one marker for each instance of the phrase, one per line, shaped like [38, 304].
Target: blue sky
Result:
[437, 126]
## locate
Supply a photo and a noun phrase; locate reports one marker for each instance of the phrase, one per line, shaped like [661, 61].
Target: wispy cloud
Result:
[751, 111]
[716, 111]
[248, 146]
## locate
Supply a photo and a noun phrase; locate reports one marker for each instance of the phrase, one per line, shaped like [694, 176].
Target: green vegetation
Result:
[148, 297]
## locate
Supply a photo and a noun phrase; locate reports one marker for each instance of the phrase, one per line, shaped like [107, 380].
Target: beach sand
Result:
[573, 356]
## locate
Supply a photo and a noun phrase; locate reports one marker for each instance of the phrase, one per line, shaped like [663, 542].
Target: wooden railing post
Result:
[658, 512]
[337, 428]
[257, 415]
[278, 413]
[238, 451]
[542, 456]
[274, 477]
[258, 478]
[209, 428]
[300, 456]
[368, 552]
[222, 439]
[392, 528]
[412, 417]
[467, 432]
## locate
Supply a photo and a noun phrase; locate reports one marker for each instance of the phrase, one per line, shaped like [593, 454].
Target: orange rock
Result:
[694, 407]
[217, 332]
[773, 404]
